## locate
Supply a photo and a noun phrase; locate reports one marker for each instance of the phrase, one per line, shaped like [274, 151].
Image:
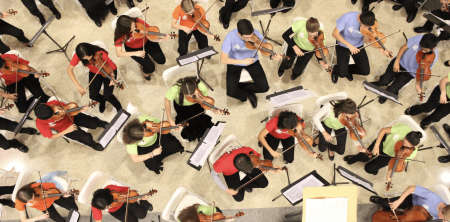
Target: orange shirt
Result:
[186, 20]
[39, 205]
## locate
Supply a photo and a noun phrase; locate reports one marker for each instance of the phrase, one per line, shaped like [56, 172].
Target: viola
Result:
[21, 69]
[51, 193]
[266, 48]
[397, 163]
[120, 198]
[425, 60]
[151, 128]
[151, 32]
[206, 102]
[7, 107]
[216, 217]
[12, 12]
[305, 141]
[201, 23]
[411, 214]
[322, 51]
[105, 70]
[375, 35]
[357, 131]
[70, 109]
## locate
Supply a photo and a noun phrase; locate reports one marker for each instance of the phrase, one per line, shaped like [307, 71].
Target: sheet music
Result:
[199, 155]
[380, 93]
[295, 193]
[213, 135]
[298, 94]
[188, 60]
[75, 216]
[113, 129]
[326, 210]
[356, 180]
[203, 151]
[281, 99]
[206, 54]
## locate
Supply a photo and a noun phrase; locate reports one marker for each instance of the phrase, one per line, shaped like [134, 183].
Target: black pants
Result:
[32, 7]
[170, 145]
[300, 65]
[234, 182]
[410, 6]
[34, 86]
[408, 202]
[287, 3]
[97, 9]
[96, 85]
[136, 211]
[398, 79]
[241, 91]
[197, 126]
[66, 203]
[443, 15]
[343, 69]
[183, 41]
[230, 7]
[440, 110]
[6, 190]
[377, 163]
[83, 120]
[8, 29]
[274, 142]
[6, 124]
[154, 50]
[341, 140]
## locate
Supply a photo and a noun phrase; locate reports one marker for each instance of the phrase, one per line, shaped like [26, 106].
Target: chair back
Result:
[324, 99]
[222, 148]
[22, 180]
[132, 12]
[407, 120]
[442, 191]
[245, 76]
[176, 70]
[15, 52]
[181, 199]
[296, 108]
[86, 191]
[100, 44]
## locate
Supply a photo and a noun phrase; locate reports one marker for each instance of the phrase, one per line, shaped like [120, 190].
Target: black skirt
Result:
[197, 126]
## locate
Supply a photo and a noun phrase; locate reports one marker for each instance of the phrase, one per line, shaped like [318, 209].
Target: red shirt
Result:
[10, 79]
[187, 20]
[225, 164]
[39, 205]
[93, 69]
[45, 126]
[271, 126]
[132, 42]
[97, 213]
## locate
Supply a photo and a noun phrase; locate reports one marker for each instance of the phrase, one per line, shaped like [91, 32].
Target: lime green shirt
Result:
[333, 122]
[447, 87]
[398, 132]
[147, 141]
[206, 210]
[174, 92]
[301, 35]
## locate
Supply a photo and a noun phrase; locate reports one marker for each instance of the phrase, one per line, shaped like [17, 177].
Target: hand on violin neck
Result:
[144, 197]
[418, 89]
[384, 51]
[388, 176]
[5, 14]
[84, 109]
[277, 171]
[66, 194]
[216, 111]
[277, 56]
[394, 205]
[211, 36]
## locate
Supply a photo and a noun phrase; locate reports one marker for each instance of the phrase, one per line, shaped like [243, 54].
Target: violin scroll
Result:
[388, 185]
[12, 12]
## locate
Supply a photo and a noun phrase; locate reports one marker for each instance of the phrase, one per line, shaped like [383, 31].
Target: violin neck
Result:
[28, 72]
[357, 136]
[394, 168]
[55, 195]
[209, 105]
[74, 109]
[265, 49]
[155, 33]
[169, 128]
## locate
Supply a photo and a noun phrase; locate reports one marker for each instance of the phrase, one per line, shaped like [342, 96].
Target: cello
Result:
[356, 129]
[206, 102]
[397, 163]
[411, 214]
[321, 50]
[423, 73]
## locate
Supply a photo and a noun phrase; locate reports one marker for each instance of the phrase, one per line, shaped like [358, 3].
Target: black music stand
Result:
[73, 216]
[196, 57]
[113, 127]
[438, 135]
[333, 182]
[272, 13]
[381, 92]
[437, 21]
[357, 180]
[42, 30]
[25, 116]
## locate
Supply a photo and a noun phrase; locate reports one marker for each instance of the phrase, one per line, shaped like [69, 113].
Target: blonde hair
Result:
[187, 5]
[312, 25]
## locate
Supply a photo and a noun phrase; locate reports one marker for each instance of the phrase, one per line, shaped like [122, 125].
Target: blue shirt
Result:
[408, 60]
[234, 46]
[427, 199]
[348, 26]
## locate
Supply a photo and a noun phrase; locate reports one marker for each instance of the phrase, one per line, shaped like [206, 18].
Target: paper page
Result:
[107, 137]
[122, 118]
[199, 155]
[188, 60]
[299, 94]
[337, 209]
[205, 54]
[107, 2]
[75, 216]
[316, 210]
[281, 99]
[213, 135]
[356, 180]
[295, 193]
[1, 208]
[111, 131]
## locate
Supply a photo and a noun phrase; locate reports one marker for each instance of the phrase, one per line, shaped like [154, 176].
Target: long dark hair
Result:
[414, 137]
[189, 214]
[85, 49]
[25, 193]
[123, 27]
[188, 86]
[287, 120]
[344, 106]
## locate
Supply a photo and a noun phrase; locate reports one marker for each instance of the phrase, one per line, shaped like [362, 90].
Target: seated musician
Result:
[84, 53]
[229, 164]
[299, 45]
[26, 197]
[11, 30]
[190, 214]
[416, 195]
[65, 127]
[30, 82]
[385, 144]
[147, 149]
[6, 124]
[237, 57]
[102, 199]
[410, 8]
[406, 61]
[276, 131]
[440, 13]
[445, 159]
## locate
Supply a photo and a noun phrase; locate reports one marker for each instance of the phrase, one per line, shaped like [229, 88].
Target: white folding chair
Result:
[177, 70]
[245, 76]
[321, 101]
[443, 192]
[223, 147]
[181, 199]
[83, 10]
[103, 46]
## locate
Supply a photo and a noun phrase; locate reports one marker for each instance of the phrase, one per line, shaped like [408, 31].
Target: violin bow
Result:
[126, 207]
[99, 69]
[393, 211]
[261, 42]
[42, 190]
[67, 114]
[160, 128]
[17, 71]
[320, 48]
[379, 40]
[145, 23]
[421, 74]
[213, 207]
[401, 158]
[203, 14]
[375, 5]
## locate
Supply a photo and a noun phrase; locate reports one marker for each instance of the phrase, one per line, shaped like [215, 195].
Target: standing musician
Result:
[6, 124]
[230, 7]
[326, 120]
[238, 57]
[97, 10]
[351, 41]
[34, 10]
[191, 213]
[299, 45]
[146, 148]
[12, 82]
[229, 164]
[124, 33]
[416, 195]
[397, 70]
[103, 199]
[444, 14]
[65, 127]
[27, 195]
[183, 88]
[8, 29]
[184, 12]
[87, 52]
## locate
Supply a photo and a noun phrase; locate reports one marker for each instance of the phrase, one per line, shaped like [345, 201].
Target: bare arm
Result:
[337, 35]
[121, 53]
[168, 110]
[401, 51]
[262, 138]
[383, 131]
[64, 132]
[225, 59]
[72, 76]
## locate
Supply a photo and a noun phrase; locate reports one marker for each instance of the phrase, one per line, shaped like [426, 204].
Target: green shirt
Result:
[398, 132]
[447, 87]
[147, 141]
[206, 210]
[301, 35]
[174, 92]
[333, 122]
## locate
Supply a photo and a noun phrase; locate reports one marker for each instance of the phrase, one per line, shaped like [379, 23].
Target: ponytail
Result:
[414, 137]
[187, 87]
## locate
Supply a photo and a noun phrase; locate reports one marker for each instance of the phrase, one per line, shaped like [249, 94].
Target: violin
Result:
[206, 102]
[375, 35]
[216, 217]
[120, 198]
[151, 128]
[266, 48]
[151, 32]
[357, 131]
[322, 52]
[21, 69]
[7, 107]
[425, 60]
[306, 141]
[397, 163]
[411, 214]
[12, 12]
[203, 24]
[105, 70]
[71, 109]
[51, 193]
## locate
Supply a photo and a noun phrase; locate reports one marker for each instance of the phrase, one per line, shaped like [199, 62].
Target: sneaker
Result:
[248, 189]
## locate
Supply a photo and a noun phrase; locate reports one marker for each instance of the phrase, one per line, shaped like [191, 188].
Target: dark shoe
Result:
[334, 77]
[314, 141]
[354, 2]
[424, 127]
[294, 77]
[56, 13]
[148, 77]
[382, 99]
[28, 130]
[285, 162]
[350, 77]
[286, 10]
[421, 29]
[248, 189]
[98, 147]
[102, 107]
[447, 128]
[225, 26]
[330, 157]
[375, 199]
[10, 203]
[253, 100]
[446, 63]
[408, 111]
[220, 15]
[103, 124]
[397, 7]
[410, 18]
[376, 83]
[98, 23]
[348, 157]
[444, 159]
[259, 144]
[365, 8]
[150, 206]
[113, 10]
[280, 72]
[139, 0]
[23, 148]
[209, 57]
[130, 3]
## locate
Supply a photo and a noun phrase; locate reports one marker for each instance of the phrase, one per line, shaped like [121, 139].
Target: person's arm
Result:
[401, 51]
[324, 111]
[383, 131]
[225, 59]
[400, 200]
[216, 178]
[4, 14]
[442, 86]
[262, 138]
[337, 35]
[72, 77]
[64, 132]
[174, 25]
[12, 96]
[121, 53]
[23, 217]
[168, 107]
